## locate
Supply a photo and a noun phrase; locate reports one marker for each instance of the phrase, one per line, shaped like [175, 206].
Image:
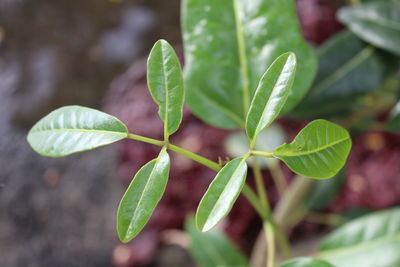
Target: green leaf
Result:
[271, 94]
[343, 62]
[74, 129]
[393, 123]
[228, 46]
[323, 192]
[306, 262]
[377, 22]
[165, 81]
[319, 150]
[372, 240]
[213, 248]
[142, 196]
[221, 194]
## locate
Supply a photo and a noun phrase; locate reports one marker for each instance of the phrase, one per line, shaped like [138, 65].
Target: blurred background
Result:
[61, 212]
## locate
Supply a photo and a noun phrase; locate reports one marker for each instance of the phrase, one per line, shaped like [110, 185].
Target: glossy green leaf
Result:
[344, 61]
[165, 81]
[271, 94]
[142, 196]
[319, 150]
[393, 123]
[306, 262]
[221, 194]
[213, 248]
[74, 129]
[228, 46]
[370, 241]
[377, 22]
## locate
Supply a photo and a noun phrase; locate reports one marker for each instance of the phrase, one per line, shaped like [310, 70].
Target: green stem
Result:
[278, 177]
[247, 191]
[267, 154]
[262, 193]
[270, 237]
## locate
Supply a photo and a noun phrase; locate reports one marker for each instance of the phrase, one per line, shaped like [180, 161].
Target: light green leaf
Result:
[319, 150]
[306, 262]
[377, 22]
[343, 62]
[370, 241]
[165, 81]
[221, 194]
[142, 196]
[213, 248]
[74, 129]
[228, 46]
[271, 94]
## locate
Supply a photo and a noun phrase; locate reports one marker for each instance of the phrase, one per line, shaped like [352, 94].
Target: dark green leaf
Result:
[142, 196]
[228, 46]
[344, 61]
[306, 262]
[393, 124]
[271, 94]
[370, 241]
[165, 81]
[213, 248]
[74, 129]
[319, 150]
[222, 194]
[377, 22]
[324, 192]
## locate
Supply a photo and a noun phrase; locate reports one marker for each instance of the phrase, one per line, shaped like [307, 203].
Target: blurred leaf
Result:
[228, 46]
[319, 150]
[213, 248]
[377, 23]
[306, 262]
[165, 81]
[271, 94]
[237, 144]
[74, 129]
[323, 192]
[222, 194]
[393, 123]
[348, 68]
[142, 196]
[370, 241]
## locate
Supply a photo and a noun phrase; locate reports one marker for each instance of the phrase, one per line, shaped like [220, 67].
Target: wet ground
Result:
[60, 212]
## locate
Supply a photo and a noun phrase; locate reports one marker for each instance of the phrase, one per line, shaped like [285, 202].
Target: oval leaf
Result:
[165, 81]
[221, 194]
[213, 248]
[306, 262]
[343, 61]
[74, 129]
[377, 22]
[271, 94]
[228, 46]
[319, 150]
[142, 196]
[372, 240]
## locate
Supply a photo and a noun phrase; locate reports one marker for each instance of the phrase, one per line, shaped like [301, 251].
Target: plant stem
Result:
[247, 191]
[270, 237]
[278, 177]
[268, 154]
[262, 193]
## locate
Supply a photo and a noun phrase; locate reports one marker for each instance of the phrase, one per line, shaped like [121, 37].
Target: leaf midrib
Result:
[166, 108]
[313, 150]
[346, 68]
[343, 251]
[81, 130]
